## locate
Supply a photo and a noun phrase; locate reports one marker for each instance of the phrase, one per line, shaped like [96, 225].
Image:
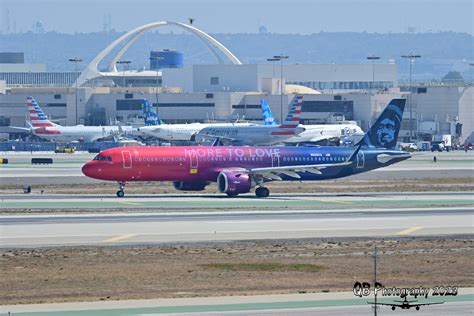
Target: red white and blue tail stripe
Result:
[293, 118]
[37, 116]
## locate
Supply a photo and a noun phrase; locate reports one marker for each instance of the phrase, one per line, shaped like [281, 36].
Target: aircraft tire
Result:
[120, 193]
[262, 192]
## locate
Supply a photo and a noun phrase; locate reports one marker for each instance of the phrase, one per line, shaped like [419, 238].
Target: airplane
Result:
[173, 132]
[239, 169]
[257, 134]
[314, 133]
[41, 126]
[406, 304]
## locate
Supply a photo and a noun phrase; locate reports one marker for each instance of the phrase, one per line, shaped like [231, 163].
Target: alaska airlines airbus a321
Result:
[239, 169]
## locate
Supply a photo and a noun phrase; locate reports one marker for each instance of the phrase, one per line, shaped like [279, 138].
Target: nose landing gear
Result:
[120, 192]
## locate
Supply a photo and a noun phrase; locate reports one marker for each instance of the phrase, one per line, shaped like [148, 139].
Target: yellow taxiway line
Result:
[118, 238]
[408, 231]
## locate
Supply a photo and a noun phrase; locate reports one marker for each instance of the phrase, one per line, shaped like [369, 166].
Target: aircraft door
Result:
[360, 159]
[193, 161]
[127, 159]
[275, 160]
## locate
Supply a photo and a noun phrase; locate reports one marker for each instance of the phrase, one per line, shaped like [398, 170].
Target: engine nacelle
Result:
[234, 182]
[189, 186]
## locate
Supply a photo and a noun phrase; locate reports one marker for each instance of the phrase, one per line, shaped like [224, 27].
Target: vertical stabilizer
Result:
[384, 132]
[268, 118]
[150, 116]
[37, 116]
[293, 118]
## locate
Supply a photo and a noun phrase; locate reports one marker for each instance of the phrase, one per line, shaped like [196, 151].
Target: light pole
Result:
[471, 65]
[411, 58]
[280, 58]
[373, 58]
[124, 62]
[75, 60]
[273, 60]
[375, 280]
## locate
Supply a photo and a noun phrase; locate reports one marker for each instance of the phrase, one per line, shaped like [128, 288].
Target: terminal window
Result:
[129, 105]
[214, 80]
[4, 121]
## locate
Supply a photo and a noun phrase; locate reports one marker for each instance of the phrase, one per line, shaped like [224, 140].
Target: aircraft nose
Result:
[90, 170]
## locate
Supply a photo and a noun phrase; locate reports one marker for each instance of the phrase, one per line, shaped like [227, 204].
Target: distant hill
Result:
[442, 52]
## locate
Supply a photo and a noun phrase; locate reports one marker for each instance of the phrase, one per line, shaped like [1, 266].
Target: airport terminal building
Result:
[226, 91]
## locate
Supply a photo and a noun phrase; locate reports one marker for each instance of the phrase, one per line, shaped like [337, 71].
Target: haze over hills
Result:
[441, 52]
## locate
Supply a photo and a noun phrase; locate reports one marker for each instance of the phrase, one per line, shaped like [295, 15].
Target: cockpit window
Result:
[102, 158]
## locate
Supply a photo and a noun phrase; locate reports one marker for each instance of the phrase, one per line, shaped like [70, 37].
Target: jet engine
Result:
[189, 186]
[234, 183]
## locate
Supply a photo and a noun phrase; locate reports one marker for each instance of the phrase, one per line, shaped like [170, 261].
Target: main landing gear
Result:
[120, 192]
[262, 192]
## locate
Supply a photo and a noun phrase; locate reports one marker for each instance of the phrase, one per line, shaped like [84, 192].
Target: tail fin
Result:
[37, 116]
[268, 118]
[149, 114]
[293, 118]
[384, 132]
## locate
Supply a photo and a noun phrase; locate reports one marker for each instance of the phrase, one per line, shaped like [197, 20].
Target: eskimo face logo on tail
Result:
[384, 132]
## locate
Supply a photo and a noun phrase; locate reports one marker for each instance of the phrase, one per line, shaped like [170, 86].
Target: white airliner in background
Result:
[174, 132]
[350, 132]
[257, 134]
[317, 133]
[42, 127]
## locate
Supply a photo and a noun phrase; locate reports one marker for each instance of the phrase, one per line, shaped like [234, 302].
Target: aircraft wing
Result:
[274, 173]
[21, 128]
[421, 304]
[223, 139]
[388, 304]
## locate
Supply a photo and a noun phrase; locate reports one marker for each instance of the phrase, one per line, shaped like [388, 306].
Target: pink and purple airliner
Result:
[240, 169]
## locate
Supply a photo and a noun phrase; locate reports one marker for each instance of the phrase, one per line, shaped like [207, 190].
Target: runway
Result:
[131, 228]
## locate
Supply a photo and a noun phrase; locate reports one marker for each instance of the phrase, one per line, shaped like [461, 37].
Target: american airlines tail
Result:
[37, 116]
[293, 118]
[149, 114]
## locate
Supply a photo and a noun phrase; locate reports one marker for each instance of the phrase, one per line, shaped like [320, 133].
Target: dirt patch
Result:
[237, 268]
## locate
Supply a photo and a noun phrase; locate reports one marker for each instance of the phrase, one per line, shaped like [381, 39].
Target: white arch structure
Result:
[91, 72]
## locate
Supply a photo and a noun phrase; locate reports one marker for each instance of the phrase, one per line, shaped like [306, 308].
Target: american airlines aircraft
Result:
[41, 126]
[257, 134]
[311, 133]
[239, 169]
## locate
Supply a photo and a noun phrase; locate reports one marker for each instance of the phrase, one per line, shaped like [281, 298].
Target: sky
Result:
[243, 16]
